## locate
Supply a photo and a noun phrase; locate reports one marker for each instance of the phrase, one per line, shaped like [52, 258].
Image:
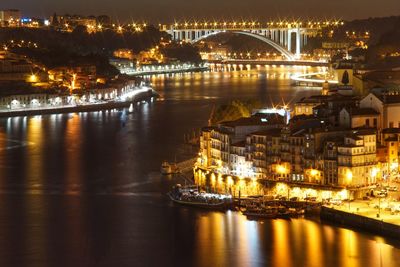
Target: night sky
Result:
[166, 10]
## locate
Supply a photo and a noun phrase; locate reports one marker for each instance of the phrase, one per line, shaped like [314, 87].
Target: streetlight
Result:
[379, 208]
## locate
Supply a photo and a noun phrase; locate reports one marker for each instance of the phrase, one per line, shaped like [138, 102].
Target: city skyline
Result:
[166, 11]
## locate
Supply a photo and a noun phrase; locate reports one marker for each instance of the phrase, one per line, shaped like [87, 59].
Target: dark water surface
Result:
[81, 190]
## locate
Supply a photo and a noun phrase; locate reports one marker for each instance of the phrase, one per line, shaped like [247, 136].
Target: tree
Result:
[55, 21]
[345, 78]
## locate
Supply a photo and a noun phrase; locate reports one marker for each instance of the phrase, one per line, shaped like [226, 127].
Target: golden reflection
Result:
[3, 145]
[211, 235]
[314, 253]
[35, 197]
[74, 180]
[35, 163]
[218, 233]
[73, 157]
[281, 250]
[349, 249]
[228, 184]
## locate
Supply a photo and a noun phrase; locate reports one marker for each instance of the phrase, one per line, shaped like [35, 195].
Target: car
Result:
[381, 195]
[393, 188]
[310, 199]
[335, 201]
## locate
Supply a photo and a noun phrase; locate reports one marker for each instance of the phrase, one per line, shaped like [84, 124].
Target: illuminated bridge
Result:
[283, 36]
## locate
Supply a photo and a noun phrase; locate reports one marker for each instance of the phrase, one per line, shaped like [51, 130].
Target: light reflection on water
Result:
[232, 240]
[83, 190]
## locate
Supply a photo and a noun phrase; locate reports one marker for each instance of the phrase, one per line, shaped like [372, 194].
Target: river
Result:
[84, 190]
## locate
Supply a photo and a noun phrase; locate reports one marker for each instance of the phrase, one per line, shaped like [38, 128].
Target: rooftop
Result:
[391, 139]
[362, 111]
[313, 99]
[275, 132]
[266, 119]
[239, 144]
[391, 131]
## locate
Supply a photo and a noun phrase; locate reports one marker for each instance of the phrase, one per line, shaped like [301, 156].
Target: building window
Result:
[391, 124]
[375, 122]
[367, 122]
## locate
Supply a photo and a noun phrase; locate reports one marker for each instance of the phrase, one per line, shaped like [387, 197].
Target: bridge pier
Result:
[279, 38]
[298, 42]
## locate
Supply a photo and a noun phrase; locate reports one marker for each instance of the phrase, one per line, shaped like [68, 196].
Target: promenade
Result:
[385, 211]
[123, 101]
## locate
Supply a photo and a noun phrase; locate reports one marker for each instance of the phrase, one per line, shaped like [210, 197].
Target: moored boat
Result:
[191, 196]
[260, 213]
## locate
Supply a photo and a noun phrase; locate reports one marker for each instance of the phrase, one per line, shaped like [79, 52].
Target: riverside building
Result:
[341, 143]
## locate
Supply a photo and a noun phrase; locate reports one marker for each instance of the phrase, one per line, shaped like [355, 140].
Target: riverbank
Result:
[271, 62]
[143, 96]
[374, 225]
[164, 70]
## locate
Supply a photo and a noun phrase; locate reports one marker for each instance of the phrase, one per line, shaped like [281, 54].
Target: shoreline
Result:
[271, 62]
[79, 108]
[359, 222]
[173, 71]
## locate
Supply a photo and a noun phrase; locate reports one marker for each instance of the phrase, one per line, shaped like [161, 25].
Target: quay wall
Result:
[80, 108]
[271, 62]
[375, 226]
[158, 72]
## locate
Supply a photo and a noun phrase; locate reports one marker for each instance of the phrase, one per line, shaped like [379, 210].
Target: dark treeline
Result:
[56, 48]
[384, 40]
[81, 42]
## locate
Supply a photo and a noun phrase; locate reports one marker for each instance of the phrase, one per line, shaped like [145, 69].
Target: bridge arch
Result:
[289, 55]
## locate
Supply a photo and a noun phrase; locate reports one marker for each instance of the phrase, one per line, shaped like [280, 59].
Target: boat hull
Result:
[256, 215]
[202, 205]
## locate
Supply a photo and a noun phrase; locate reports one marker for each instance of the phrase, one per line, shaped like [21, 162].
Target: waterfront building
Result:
[263, 148]
[319, 152]
[339, 144]
[273, 148]
[13, 102]
[69, 21]
[388, 107]
[96, 95]
[216, 142]
[10, 17]
[205, 146]
[367, 81]
[357, 163]
[77, 76]
[359, 117]
[239, 164]
[257, 152]
[390, 147]
[14, 67]
[306, 105]
[330, 161]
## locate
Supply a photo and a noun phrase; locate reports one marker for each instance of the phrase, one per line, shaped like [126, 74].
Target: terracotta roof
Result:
[391, 130]
[275, 132]
[255, 120]
[239, 144]
[391, 139]
[362, 111]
